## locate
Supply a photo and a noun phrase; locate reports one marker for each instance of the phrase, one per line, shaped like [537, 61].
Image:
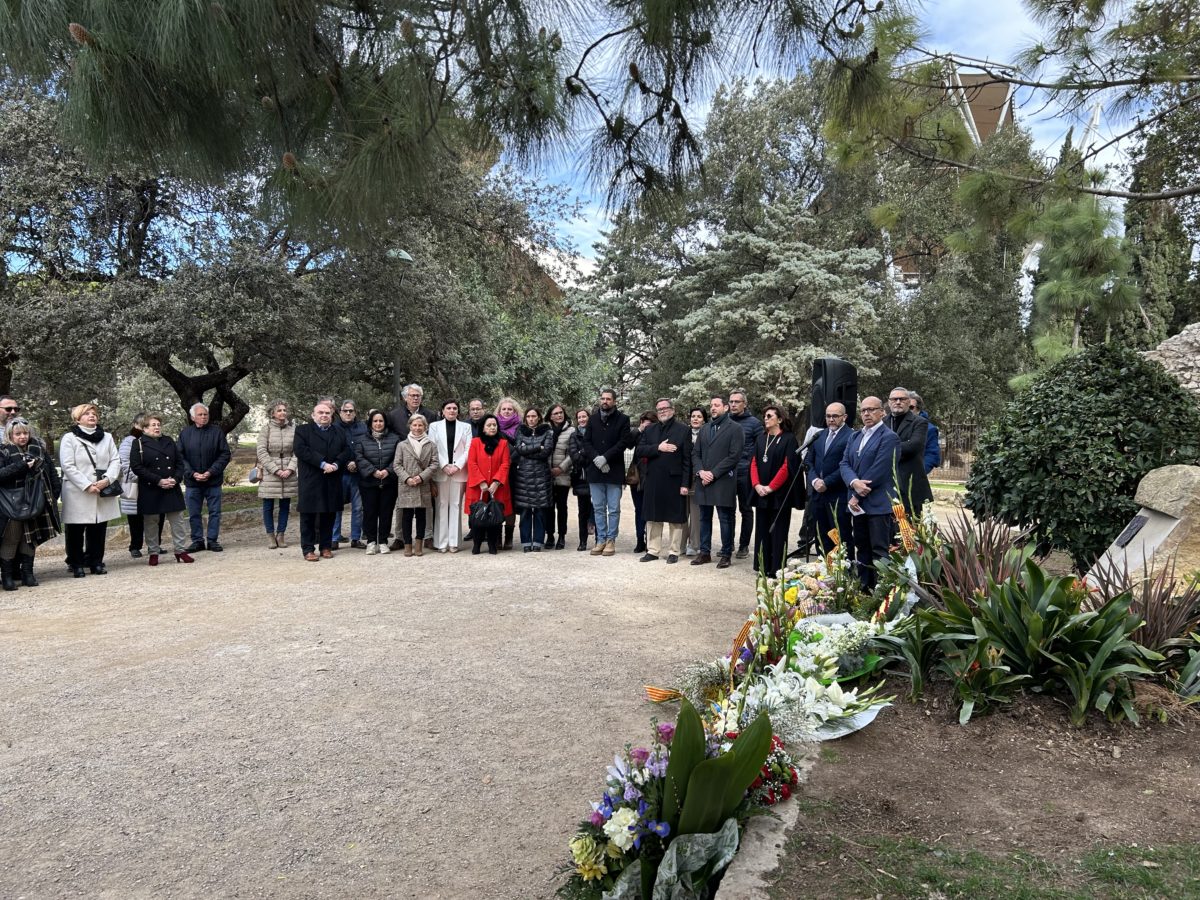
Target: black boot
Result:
[6, 574]
[27, 578]
[508, 534]
[561, 543]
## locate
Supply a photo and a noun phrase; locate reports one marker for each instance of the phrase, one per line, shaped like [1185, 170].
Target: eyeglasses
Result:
[769, 415]
[897, 399]
[349, 409]
[663, 408]
[11, 409]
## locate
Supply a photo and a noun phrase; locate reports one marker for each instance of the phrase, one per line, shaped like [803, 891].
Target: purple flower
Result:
[597, 818]
[657, 766]
[666, 732]
[746, 654]
[631, 792]
[639, 755]
[662, 829]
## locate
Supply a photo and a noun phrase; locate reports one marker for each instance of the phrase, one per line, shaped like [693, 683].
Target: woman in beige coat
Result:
[416, 461]
[276, 471]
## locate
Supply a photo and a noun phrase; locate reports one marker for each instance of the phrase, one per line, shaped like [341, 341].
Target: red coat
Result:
[482, 467]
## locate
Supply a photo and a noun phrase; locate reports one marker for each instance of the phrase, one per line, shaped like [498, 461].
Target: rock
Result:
[1169, 498]
[1180, 356]
[1171, 490]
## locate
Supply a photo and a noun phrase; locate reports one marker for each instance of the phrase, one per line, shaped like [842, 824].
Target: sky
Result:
[995, 30]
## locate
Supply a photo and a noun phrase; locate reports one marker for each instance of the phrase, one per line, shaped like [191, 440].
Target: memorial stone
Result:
[1166, 526]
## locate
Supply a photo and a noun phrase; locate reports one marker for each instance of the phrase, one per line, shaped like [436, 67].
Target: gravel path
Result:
[254, 725]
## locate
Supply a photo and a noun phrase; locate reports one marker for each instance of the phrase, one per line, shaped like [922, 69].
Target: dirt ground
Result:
[1017, 779]
[254, 725]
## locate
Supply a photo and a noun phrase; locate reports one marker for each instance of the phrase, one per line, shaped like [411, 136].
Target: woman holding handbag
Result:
[91, 472]
[158, 464]
[487, 479]
[277, 482]
[29, 486]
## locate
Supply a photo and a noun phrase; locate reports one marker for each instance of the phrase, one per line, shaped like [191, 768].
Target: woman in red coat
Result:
[487, 470]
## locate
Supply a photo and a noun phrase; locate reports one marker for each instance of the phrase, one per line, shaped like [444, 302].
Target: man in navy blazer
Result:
[825, 479]
[867, 467]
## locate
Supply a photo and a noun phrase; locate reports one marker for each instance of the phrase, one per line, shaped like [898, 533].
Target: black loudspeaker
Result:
[834, 381]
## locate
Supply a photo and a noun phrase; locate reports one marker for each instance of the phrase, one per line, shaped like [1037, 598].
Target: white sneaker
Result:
[382, 548]
[372, 548]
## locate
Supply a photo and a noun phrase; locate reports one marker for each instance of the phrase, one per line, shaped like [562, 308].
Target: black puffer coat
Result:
[372, 454]
[532, 484]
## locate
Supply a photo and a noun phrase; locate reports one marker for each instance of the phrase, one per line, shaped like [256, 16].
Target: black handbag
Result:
[114, 487]
[23, 501]
[486, 514]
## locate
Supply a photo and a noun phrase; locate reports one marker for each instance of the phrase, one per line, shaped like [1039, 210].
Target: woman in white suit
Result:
[90, 463]
[453, 441]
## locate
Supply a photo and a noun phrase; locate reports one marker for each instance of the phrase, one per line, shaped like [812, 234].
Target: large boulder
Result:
[1180, 355]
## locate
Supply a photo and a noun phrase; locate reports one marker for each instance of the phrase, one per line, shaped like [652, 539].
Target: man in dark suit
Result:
[321, 456]
[867, 471]
[715, 456]
[825, 480]
[912, 430]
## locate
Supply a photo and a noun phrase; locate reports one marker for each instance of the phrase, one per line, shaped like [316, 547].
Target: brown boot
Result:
[280, 539]
[419, 549]
[408, 549]
[272, 542]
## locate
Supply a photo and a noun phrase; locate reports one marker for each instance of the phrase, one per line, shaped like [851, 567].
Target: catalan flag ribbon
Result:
[908, 537]
[740, 641]
[661, 695]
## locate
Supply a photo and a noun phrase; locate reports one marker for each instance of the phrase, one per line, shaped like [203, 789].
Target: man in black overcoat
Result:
[911, 480]
[667, 448]
[715, 456]
[321, 455]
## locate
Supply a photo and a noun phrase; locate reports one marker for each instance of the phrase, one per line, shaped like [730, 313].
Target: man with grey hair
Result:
[410, 405]
[911, 481]
[204, 452]
[752, 428]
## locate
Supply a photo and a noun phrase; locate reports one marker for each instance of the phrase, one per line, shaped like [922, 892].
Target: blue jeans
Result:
[195, 497]
[533, 529]
[285, 505]
[350, 491]
[725, 517]
[606, 505]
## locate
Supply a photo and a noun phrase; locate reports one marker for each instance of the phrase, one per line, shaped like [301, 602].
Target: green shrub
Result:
[1030, 630]
[1065, 458]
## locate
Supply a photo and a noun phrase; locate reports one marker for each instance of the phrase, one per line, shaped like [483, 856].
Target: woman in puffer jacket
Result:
[532, 483]
[374, 456]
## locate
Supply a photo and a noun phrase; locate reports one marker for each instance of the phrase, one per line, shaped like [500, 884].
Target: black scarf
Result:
[490, 442]
[94, 438]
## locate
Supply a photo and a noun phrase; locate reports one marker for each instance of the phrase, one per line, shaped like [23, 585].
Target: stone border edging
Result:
[763, 842]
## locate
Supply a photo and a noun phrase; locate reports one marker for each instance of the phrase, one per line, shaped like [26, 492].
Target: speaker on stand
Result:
[834, 381]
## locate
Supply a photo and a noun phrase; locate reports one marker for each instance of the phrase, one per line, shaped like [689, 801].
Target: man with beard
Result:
[604, 446]
[752, 429]
[667, 448]
[715, 456]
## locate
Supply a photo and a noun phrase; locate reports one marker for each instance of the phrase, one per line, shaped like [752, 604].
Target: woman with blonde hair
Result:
[277, 481]
[91, 466]
[158, 463]
[27, 477]
[508, 418]
[415, 462]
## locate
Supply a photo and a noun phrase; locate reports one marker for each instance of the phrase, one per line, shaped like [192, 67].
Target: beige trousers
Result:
[654, 531]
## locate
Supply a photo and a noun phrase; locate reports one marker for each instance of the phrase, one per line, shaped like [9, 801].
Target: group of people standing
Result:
[410, 476]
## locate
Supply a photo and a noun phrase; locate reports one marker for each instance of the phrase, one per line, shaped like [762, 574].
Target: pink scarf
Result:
[508, 424]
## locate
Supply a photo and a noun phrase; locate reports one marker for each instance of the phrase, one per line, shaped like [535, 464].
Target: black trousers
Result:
[556, 514]
[745, 505]
[316, 530]
[872, 537]
[771, 539]
[137, 530]
[85, 544]
[378, 505]
[407, 516]
[586, 514]
[491, 535]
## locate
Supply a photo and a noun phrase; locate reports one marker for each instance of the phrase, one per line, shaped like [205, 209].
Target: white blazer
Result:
[451, 456]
